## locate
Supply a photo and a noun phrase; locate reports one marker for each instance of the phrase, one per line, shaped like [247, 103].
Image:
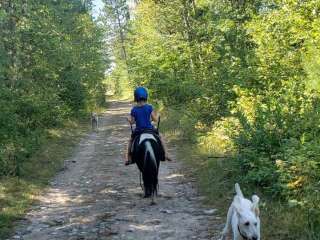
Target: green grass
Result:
[18, 193]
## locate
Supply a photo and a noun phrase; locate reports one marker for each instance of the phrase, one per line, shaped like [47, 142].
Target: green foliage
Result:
[52, 64]
[251, 63]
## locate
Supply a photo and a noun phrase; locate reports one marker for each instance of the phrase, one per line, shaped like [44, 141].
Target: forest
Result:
[52, 64]
[238, 78]
[52, 67]
[232, 78]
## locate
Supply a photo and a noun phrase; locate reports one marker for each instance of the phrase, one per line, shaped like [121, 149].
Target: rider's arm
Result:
[154, 116]
[131, 120]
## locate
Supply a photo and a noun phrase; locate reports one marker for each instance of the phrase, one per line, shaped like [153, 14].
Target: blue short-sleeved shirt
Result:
[142, 116]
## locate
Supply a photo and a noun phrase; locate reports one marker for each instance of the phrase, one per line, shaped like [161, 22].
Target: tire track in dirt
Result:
[97, 197]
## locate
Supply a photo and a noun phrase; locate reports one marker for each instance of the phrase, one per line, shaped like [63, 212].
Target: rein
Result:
[158, 123]
[131, 127]
[241, 234]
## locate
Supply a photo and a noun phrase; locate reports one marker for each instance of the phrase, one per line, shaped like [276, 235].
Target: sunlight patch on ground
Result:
[174, 175]
[142, 227]
[60, 197]
[82, 219]
[109, 190]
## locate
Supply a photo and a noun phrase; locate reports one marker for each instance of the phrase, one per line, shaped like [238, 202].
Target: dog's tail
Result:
[238, 190]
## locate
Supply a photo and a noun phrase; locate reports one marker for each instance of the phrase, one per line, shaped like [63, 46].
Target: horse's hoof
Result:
[152, 203]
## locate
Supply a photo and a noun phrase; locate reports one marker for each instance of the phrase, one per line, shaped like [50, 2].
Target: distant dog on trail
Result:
[94, 121]
[243, 218]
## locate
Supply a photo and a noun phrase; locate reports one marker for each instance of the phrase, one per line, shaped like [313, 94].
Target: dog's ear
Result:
[237, 205]
[255, 205]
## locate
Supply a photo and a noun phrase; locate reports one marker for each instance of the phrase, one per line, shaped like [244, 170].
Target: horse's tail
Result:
[150, 176]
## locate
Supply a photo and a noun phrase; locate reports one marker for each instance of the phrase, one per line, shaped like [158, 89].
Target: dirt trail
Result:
[97, 197]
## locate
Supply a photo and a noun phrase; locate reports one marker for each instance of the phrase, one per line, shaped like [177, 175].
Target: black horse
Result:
[147, 154]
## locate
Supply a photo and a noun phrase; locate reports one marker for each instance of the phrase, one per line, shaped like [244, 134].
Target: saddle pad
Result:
[145, 136]
[139, 139]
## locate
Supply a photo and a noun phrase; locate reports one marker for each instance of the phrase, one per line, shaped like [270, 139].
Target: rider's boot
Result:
[129, 160]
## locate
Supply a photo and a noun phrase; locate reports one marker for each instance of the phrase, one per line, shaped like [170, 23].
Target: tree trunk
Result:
[9, 43]
[188, 30]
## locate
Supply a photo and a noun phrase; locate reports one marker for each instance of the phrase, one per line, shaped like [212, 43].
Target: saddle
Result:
[141, 137]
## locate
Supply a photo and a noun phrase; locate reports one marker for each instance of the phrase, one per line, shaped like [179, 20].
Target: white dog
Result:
[243, 218]
[94, 120]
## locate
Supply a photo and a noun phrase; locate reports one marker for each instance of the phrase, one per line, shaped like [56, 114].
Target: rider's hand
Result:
[130, 120]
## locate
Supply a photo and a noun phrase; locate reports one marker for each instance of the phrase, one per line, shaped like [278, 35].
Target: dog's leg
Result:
[236, 235]
[227, 227]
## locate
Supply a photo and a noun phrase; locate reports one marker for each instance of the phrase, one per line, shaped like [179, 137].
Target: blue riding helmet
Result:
[140, 94]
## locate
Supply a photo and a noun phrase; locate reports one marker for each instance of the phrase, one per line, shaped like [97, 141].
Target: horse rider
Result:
[142, 114]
